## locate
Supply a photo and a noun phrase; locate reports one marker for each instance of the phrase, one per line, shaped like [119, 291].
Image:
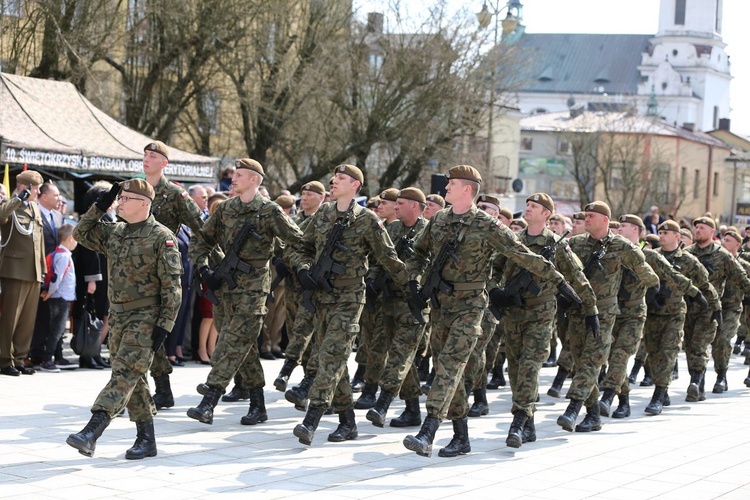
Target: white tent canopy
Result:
[49, 125]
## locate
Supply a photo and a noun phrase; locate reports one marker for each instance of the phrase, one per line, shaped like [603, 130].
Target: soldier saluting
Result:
[144, 293]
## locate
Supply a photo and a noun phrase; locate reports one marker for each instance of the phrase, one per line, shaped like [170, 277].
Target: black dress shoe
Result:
[10, 370]
[84, 362]
[267, 355]
[25, 370]
[278, 354]
[62, 362]
[176, 362]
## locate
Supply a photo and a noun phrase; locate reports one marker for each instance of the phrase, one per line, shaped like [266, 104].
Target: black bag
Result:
[88, 328]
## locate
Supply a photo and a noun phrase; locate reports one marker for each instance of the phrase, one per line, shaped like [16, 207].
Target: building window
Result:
[565, 147]
[11, 7]
[617, 176]
[697, 184]
[376, 62]
[679, 12]
[538, 111]
[716, 184]
[527, 143]
[716, 117]
[683, 181]
[719, 8]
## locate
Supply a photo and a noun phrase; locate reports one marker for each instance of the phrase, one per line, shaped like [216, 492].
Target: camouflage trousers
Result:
[495, 347]
[377, 340]
[335, 324]
[721, 347]
[131, 354]
[626, 337]
[455, 331]
[241, 319]
[475, 374]
[300, 334]
[642, 354]
[528, 332]
[364, 337]
[565, 357]
[700, 331]
[589, 355]
[161, 365]
[400, 375]
[663, 333]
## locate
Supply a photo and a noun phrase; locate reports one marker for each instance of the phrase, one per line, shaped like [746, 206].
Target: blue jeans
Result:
[59, 309]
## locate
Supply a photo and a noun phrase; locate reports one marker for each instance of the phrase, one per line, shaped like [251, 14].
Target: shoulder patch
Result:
[381, 222]
[184, 194]
[169, 243]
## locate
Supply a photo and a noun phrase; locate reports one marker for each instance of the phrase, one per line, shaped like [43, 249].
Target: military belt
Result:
[629, 303]
[469, 285]
[609, 301]
[672, 300]
[249, 265]
[540, 300]
[135, 304]
[339, 283]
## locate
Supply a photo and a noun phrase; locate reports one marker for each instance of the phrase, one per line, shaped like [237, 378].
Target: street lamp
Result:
[509, 24]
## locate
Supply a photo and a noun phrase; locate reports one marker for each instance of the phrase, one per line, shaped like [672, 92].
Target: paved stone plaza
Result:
[691, 451]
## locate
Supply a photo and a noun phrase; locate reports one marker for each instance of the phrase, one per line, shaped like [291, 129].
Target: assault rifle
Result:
[281, 273]
[434, 281]
[325, 265]
[404, 247]
[707, 264]
[594, 260]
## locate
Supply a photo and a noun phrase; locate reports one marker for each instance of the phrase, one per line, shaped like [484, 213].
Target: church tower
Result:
[686, 67]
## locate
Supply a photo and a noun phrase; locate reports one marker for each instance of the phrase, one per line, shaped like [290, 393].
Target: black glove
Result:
[281, 269]
[500, 299]
[746, 300]
[209, 278]
[592, 323]
[652, 299]
[567, 291]
[24, 195]
[106, 199]
[306, 280]
[700, 300]
[158, 336]
[719, 319]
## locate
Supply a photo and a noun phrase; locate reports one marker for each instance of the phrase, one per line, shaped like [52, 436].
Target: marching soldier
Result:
[144, 292]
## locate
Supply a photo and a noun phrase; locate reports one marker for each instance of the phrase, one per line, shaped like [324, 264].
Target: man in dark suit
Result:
[22, 266]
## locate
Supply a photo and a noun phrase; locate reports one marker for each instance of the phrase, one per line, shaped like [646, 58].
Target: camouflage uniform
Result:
[144, 268]
[731, 308]
[475, 374]
[241, 310]
[591, 353]
[664, 325]
[456, 320]
[336, 321]
[528, 328]
[720, 266]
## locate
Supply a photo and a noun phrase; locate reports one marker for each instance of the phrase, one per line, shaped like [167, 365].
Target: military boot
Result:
[423, 370]
[204, 412]
[637, 365]
[665, 401]
[515, 433]
[480, 406]
[297, 395]
[605, 404]
[568, 419]
[623, 406]
[422, 442]
[459, 445]
[702, 387]
[602, 374]
[203, 388]
[283, 377]
[693, 389]
[675, 371]
[498, 375]
[347, 428]
[257, 411]
[145, 442]
[163, 397]
[85, 441]
[738, 345]
[377, 413]
[657, 401]
[529, 431]
[557, 383]
[552, 359]
[238, 392]
[411, 417]
[358, 381]
[721, 382]
[306, 430]
[367, 399]
[647, 380]
[747, 379]
[592, 421]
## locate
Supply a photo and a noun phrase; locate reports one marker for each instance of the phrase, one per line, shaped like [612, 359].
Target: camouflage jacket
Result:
[692, 269]
[363, 238]
[564, 260]
[721, 266]
[397, 230]
[173, 206]
[619, 254]
[482, 238]
[734, 292]
[223, 227]
[142, 261]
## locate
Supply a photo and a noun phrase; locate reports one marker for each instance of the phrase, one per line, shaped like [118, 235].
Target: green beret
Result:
[315, 187]
[613, 224]
[465, 172]
[250, 164]
[543, 199]
[579, 216]
[488, 198]
[652, 238]
[632, 219]
[598, 207]
[373, 202]
[557, 217]
[505, 212]
[519, 222]
[686, 232]
[705, 220]
[158, 147]
[734, 234]
[436, 198]
[413, 194]
[390, 194]
[670, 225]
[284, 201]
[139, 186]
[351, 171]
[30, 178]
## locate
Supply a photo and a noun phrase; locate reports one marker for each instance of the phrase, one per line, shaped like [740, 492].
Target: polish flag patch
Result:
[169, 243]
[184, 194]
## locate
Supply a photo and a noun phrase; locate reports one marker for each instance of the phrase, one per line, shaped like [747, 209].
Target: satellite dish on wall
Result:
[517, 185]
